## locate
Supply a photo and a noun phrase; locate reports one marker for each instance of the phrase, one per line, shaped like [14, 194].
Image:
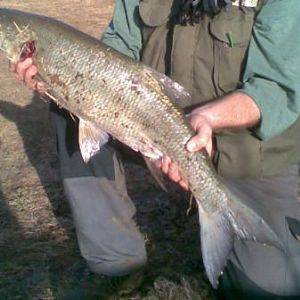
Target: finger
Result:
[21, 68]
[165, 162]
[201, 139]
[183, 184]
[174, 173]
[29, 77]
[196, 143]
[157, 163]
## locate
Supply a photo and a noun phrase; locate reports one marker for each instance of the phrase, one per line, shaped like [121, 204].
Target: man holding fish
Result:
[240, 62]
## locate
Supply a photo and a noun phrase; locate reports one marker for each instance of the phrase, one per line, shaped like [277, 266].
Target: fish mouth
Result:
[18, 44]
[28, 49]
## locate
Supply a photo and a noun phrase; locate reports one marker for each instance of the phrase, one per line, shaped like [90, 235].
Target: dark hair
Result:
[190, 11]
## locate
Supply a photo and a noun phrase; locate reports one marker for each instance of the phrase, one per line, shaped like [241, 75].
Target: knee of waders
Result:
[116, 265]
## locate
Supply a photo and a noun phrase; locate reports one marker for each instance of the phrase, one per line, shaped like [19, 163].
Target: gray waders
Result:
[108, 237]
[257, 271]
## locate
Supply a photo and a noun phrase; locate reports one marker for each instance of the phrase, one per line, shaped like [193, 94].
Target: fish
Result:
[115, 96]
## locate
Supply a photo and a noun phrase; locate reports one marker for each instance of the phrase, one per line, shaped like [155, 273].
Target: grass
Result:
[40, 257]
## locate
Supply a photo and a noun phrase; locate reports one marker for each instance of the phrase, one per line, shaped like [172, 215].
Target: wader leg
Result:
[107, 234]
[256, 271]
[102, 211]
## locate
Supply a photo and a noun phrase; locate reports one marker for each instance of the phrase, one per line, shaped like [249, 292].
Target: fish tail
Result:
[219, 230]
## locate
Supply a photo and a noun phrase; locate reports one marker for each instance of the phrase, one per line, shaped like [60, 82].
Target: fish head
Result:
[17, 39]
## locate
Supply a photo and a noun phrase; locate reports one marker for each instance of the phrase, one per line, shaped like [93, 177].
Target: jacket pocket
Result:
[231, 38]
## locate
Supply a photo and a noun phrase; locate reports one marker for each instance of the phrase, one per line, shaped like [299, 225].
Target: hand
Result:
[201, 141]
[203, 138]
[26, 71]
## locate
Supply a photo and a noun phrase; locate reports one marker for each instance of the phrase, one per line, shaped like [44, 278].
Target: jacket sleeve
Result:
[124, 31]
[272, 72]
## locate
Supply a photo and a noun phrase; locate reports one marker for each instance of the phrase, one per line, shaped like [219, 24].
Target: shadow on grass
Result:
[35, 130]
[35, 265]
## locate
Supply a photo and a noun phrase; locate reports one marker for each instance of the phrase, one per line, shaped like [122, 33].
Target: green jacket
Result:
[251, 49]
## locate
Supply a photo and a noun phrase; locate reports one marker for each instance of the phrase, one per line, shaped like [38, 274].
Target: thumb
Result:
[201, 140]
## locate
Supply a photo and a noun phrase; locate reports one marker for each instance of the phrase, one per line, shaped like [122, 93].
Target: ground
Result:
[39, 256]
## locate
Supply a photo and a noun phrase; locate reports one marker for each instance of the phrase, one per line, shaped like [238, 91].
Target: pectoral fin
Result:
[91, 139]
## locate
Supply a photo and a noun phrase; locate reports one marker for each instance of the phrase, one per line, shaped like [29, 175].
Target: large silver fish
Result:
[112, 94]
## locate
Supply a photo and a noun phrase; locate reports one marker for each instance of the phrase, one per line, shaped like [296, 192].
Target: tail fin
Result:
[218, 231]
